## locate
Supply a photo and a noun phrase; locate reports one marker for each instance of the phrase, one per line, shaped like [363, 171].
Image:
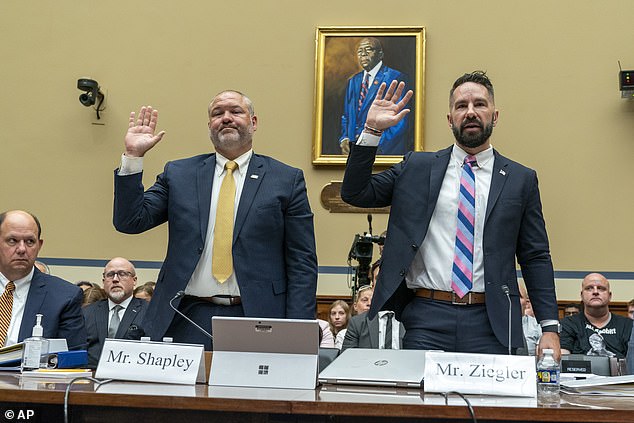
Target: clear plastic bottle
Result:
[548, 379]
[35, 353]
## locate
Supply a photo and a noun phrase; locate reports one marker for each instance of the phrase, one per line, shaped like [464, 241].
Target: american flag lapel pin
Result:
[502, 172]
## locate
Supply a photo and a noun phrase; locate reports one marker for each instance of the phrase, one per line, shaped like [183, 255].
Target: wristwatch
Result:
[552, 327]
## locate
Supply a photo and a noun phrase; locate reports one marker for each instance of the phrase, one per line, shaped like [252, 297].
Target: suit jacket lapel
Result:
[205, 180]
[128, 317]
[252, 181]
[34, 300]
[373, 327]
[437, 175]
[498, 179]
[101, 319]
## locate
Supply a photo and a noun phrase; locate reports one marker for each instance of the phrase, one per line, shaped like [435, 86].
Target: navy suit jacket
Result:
[363, 332]
[59, 302]
[514, 228]
[96, 318]
[274, 253]
[395, 140]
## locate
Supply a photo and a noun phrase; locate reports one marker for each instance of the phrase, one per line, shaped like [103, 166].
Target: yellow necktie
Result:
[6, 307]
[222, 259]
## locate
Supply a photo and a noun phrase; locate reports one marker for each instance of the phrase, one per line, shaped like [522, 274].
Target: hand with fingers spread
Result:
[140, 136]
[386, 109]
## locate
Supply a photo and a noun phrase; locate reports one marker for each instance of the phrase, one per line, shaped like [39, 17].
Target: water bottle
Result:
[548, 379]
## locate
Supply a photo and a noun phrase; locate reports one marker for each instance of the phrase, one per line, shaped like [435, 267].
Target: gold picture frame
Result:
[339, 70]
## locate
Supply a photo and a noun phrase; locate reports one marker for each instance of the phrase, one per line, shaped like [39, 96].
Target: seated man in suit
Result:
[120, 315]
[382, 332]
[26, 291]
[582, 333]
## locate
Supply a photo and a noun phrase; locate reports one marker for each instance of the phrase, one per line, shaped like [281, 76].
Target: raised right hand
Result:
[387, 111]
[140, 136]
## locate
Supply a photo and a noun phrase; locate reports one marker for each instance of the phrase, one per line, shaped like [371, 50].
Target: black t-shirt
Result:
[575, 331]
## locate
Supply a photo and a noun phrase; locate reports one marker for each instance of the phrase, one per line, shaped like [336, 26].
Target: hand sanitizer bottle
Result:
[35, 353]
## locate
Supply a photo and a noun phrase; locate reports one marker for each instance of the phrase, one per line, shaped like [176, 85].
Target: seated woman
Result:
[362, 303]
[93, 294]
[338, 316]
[144, 291]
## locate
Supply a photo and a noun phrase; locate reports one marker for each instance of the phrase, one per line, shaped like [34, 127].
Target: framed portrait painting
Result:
[350, 65]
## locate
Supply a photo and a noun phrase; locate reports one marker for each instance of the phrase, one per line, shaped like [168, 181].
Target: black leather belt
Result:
[224, 300]
[451, 297]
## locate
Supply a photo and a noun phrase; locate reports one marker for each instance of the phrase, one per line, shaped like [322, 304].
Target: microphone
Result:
[178, 295]
[370, 223]
[506, 291]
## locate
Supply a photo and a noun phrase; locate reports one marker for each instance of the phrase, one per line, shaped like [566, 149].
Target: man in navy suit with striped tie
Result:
[459, 219]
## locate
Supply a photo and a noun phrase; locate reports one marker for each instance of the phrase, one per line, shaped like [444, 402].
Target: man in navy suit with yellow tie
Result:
[120, 315]
[253, 255]
[360, 92]
[459, 219]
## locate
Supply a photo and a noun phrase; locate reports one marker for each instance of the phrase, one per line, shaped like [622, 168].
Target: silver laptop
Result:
[360, 366]
[264, 353]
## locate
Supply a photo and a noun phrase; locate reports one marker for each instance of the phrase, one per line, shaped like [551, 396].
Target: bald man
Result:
[361, 90]
[596, 318]
[120, 315]
[263, 263]
[29, 291]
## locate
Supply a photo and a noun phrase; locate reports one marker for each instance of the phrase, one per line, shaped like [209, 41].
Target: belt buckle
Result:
[466, 300]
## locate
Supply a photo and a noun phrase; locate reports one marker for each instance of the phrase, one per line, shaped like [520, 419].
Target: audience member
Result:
[93, 294]
[630, 309]
[571, 309]
[530, 326]
[119, 316]
[326, 338]
[84, 285]
[338, 316]
[144, 291]
[265, 266]
[42, 267]
[27, 291]
[376, 266]
[580, 333]
[362, 302]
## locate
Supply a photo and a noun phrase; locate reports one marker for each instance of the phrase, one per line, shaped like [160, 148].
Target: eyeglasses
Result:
[121, 273]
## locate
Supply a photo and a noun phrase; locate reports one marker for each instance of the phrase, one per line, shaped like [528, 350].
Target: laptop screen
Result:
[248, 334]
[359, 366]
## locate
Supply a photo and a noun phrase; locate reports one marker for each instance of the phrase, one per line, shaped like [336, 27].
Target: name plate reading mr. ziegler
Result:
[146, 361]
[488, 374]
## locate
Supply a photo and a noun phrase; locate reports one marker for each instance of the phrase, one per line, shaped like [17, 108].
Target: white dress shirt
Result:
[124, 306]
[432, 265]
[19, 301]
[396, 325]
[202, 283]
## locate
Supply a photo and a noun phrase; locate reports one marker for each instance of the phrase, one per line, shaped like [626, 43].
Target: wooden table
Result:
[120, 402]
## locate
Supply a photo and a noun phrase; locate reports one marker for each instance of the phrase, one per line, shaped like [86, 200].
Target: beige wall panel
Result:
[554, 65]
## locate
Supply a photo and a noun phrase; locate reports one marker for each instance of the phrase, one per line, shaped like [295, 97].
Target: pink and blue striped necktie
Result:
[462, 271]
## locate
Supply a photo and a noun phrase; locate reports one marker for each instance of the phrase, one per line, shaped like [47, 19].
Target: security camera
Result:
[92, 93]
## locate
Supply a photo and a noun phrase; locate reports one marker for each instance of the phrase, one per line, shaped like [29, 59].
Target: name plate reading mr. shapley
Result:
[147, 361]
[488, 374]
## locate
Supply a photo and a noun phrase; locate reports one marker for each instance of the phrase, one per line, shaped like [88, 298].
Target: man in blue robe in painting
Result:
[361, 89]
